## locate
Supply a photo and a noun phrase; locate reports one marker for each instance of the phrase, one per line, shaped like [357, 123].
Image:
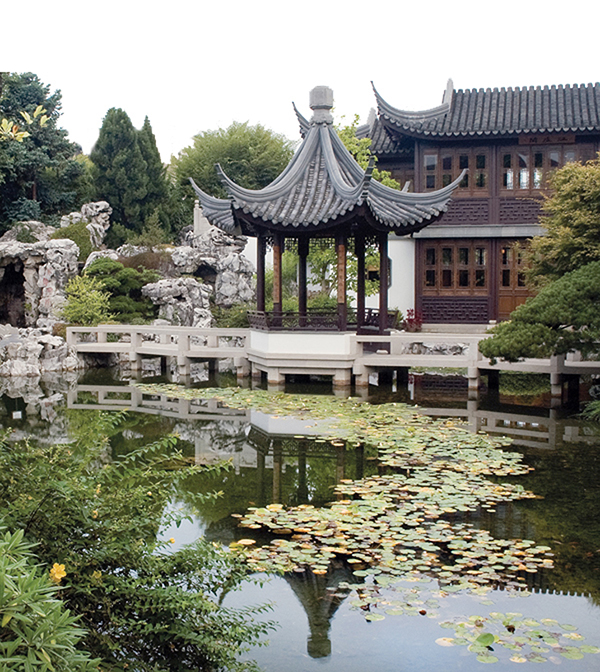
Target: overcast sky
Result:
[192, 66]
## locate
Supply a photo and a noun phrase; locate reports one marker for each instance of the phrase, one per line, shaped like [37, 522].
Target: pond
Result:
[344, 618]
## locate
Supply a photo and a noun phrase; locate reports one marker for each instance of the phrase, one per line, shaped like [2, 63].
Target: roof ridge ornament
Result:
[321, 103]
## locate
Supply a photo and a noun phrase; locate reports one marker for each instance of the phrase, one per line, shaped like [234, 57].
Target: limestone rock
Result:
[32, 352]
[181, 301]
[97, 218]
[100, 254]
[33, 277]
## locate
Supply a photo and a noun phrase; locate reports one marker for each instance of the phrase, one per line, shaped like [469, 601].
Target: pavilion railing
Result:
[315, 320]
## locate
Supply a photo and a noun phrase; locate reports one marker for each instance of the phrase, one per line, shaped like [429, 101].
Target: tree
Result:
[157, 189]
[563, 317]
[120, 171]
[572, 221]
[38, 173]
[252, 156]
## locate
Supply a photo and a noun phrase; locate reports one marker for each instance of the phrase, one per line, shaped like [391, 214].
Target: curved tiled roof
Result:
[322, 183]
[502, 111]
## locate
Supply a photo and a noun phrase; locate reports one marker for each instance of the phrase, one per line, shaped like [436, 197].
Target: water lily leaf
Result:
[572, 653]
[487, 658]
[586, 648]
[374, 617]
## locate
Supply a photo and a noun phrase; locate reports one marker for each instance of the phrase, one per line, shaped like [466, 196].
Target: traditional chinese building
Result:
[323, 194]
[467, 267]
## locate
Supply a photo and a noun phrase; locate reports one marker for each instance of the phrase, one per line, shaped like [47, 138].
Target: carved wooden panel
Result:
[466, 211]
[451, 310]
[519, 210]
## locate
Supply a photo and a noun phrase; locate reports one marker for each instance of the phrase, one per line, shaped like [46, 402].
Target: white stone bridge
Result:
[346, 357]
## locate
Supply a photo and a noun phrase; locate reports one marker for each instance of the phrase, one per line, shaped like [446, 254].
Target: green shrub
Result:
[37, 632]
[79, 235]
[87, 302]
[124, 286]
[235, 317]
[98, 514]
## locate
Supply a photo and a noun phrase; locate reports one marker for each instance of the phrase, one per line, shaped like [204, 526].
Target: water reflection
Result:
[271, 464]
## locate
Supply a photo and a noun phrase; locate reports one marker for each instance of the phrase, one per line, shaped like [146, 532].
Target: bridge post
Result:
[183, 348]
[135, 359]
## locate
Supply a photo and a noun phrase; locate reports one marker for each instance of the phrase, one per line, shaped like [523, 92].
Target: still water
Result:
[319, 626]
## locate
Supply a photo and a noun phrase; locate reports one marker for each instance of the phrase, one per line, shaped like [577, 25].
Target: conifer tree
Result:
[120, 171]
[157, 189]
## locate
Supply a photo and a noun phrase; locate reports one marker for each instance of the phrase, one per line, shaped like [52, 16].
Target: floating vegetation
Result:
[406, 523]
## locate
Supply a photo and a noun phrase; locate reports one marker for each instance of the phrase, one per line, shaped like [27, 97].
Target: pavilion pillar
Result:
[383, 282]
[261, 252]
[359, 249]
[342, 310]
[302, 279]
[278, 244]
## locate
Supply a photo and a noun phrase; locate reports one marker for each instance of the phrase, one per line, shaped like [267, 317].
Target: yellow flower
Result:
[95, 513]
[149, 494]
[172, 540]
[57, 572]
[98, 489]
[96, 575]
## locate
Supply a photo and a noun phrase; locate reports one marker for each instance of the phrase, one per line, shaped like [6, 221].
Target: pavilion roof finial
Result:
[321, 103]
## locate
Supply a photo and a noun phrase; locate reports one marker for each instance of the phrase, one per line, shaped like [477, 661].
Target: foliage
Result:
[155, 260]
[120, 171]
[78, 233]
[360, 150]
[124, 287]
[152, 233]
[234, 317]
[563, 317]
[572, 221]
[39, 174]
[98, 515]
[523, 384]
[252, 156]
[36, 631]
[87, 302]
[157, 189]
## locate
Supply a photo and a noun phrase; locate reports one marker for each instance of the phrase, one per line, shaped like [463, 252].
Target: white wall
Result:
[401, 293]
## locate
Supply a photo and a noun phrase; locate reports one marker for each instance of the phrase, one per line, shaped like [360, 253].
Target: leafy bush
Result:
[235, 317]
[124, 285]
[79, 235]
[37, 632]
[159, 261]
[87, 302]
[98, 514]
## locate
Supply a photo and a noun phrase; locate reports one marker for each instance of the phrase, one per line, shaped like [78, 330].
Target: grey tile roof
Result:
[321, 183]
[498, 112]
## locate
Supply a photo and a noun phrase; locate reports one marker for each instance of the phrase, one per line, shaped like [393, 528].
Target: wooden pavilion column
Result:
[302, 279]
[278, 243]
[359, 249]
[342, 311]
[261, 245]
[383, 282]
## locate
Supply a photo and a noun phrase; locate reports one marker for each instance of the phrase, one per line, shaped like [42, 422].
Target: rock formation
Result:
[181, 301]
[97, 218]
[31, 353]
[33, 277]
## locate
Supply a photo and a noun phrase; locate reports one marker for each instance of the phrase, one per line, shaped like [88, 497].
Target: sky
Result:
[193, 66]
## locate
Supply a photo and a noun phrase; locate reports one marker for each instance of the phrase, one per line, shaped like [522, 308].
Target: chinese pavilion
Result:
[323, 194]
